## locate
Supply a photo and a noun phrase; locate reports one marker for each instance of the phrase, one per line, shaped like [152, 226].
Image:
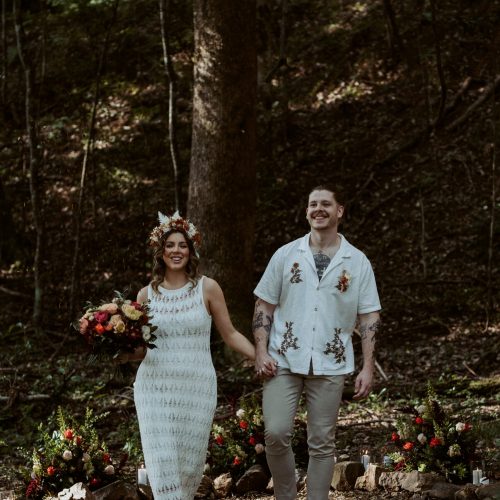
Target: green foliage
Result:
[68, 454]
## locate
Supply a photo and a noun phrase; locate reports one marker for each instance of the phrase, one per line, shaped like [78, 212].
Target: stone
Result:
[77, 491]
[206, 488]
[343, 458]
[370, 479]
[467, 492]
[119, 490]
[223, 485]
[443, 491]
[414, 481]
[255, 478]
[345, 475]
[489, 491]
[300, 477]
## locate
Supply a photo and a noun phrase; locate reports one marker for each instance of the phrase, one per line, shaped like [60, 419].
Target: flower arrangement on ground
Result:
[238, 442]
[117, 326]
[71, 454]
[429, 440]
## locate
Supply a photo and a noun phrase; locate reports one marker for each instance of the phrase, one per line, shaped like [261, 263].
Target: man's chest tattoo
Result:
[321, 260]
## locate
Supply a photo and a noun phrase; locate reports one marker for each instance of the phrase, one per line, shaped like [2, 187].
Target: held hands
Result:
[265, 365]
[363, 384]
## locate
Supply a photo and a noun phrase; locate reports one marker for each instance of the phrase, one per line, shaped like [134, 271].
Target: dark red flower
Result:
[395, 436]
[236, 461]
[101, 316]
[435, 442]
[243, 424]
[419, 420]
[252, 441]
[78, 440]
[219, 440]
[95, 482]
[106, 458]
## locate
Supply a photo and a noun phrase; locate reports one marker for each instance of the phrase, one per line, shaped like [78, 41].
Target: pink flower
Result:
[101, 316]
[109, 308]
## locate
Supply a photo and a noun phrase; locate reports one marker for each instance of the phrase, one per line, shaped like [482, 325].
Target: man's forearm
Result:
[261, 324]
[369, 327]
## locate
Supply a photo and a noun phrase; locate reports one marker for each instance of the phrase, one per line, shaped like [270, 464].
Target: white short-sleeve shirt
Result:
[314, 319]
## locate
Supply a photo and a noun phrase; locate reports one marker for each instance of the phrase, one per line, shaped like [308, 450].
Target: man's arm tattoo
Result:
[258, 322]
[372, 328]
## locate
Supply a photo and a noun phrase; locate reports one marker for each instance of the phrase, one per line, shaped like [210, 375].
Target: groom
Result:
[309, 299]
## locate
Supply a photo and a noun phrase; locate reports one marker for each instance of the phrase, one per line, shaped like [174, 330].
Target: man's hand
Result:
[364, 383]
[265, 365]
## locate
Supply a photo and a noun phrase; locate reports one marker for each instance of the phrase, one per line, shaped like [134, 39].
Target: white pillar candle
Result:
[476, 476]
[142, 476]
[365, 460]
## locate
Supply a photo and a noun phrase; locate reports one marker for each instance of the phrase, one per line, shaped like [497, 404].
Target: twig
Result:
[491, 88]
[26, 397]
[366, 422]
[14, 293]
[377, 365]
[470, 369]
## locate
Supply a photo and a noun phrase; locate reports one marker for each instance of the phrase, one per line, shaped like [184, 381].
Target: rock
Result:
[369, 481]
[300, 477]
[255, 479]
[77, 491]
[119, 490]
[345, 475]
[467, 492]
[206, 488]
[443, 491]
[343, 458]
[414, 481]
[223, 485]
[489, 491]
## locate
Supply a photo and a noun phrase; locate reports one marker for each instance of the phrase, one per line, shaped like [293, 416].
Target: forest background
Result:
[231, 111]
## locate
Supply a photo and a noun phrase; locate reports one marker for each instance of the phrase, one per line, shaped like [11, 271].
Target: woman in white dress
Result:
[175, 390]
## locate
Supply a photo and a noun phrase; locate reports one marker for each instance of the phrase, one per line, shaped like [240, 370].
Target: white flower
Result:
[240, 413]
[86, 457]
[421, 438]
[146, 332]
[259, 448]
[109, 470]
[67, 455]
[421, 409]
[460, 427]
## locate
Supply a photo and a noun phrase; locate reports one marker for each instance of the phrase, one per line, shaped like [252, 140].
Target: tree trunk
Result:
[221, 198]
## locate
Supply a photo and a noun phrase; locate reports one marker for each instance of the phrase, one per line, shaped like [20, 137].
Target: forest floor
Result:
[450, 360]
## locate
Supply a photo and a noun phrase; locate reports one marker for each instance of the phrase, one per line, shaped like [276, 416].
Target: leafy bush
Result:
[72, 453]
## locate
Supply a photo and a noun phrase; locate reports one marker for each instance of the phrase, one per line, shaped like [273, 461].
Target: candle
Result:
[387, 461]
[365, 460]
[476, 476]
[142, 476]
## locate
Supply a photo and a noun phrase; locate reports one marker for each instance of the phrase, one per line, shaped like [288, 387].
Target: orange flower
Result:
[99, 329]
[408, 446]
[68, 434]
[51, 470]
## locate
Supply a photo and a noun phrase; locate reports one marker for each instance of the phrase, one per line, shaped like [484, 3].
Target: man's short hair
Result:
[337, 192]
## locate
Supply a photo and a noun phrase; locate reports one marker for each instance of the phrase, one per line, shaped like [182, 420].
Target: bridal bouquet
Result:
[117, 326]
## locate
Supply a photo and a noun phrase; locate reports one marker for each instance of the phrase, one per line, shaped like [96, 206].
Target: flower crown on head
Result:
[172, 223]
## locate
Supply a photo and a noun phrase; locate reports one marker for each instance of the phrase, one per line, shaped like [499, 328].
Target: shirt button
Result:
[314, 329]
[315, 308]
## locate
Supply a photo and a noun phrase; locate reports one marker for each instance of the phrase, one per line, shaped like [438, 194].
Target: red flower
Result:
[395, 436]
[400, 465]
[419, 420]
[408, 446]
[106, 458]
[51, 470]
[32, 488]
[243, 424]
[219, 440]
[435, 442]
[95, 482]
[252, 441]
[236, 461]
[467, 427]
[68, 434]
[78, 440]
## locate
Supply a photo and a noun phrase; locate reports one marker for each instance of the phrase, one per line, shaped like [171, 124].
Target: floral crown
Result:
[172, 223]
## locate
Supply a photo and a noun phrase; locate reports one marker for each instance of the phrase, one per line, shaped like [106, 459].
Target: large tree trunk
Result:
[222, 175]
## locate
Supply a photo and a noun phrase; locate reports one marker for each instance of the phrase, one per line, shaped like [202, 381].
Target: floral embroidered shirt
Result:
[314, 319]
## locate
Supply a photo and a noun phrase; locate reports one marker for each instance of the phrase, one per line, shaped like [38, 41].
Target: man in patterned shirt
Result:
[309, 299]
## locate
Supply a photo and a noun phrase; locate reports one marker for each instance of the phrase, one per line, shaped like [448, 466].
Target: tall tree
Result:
[222, 174]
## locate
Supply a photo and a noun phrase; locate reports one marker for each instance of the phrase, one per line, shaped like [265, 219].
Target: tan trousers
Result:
[281, 395]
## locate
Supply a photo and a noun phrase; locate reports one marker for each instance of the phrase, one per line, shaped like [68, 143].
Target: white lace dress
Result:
[175, 393]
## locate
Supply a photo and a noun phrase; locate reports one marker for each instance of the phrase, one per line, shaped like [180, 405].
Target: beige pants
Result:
[281, 395]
